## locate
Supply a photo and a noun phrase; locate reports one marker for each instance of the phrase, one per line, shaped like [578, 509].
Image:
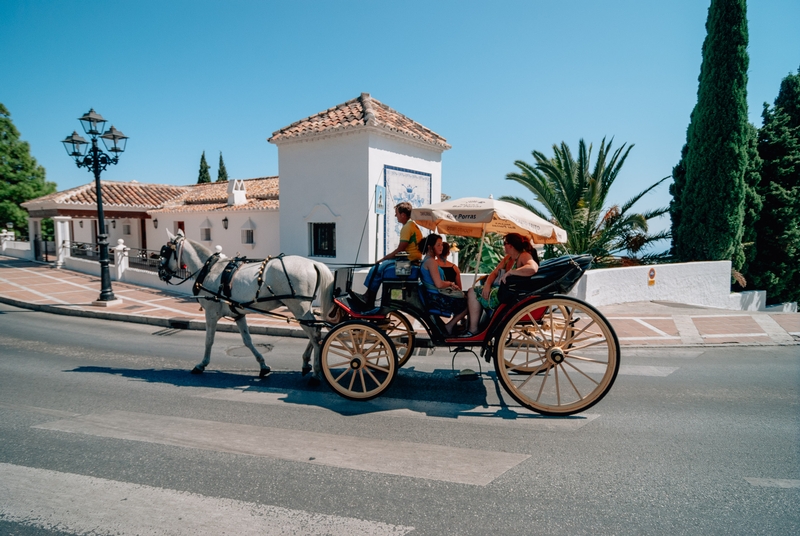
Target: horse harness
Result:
[225, 291]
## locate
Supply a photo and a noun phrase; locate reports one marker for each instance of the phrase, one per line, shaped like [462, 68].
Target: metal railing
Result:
[143, 259]
[89, 251]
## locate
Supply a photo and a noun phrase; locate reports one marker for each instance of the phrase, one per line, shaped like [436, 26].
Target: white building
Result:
[329, 166]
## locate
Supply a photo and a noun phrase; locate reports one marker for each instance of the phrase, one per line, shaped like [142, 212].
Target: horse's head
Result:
[170, 257]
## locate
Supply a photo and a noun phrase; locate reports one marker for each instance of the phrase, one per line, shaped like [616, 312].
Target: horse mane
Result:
[201, 250]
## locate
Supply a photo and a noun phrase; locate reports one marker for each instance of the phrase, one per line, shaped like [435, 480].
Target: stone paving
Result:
[60, 291]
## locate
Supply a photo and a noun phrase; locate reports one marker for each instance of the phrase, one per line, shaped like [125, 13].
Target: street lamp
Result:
[96, 161]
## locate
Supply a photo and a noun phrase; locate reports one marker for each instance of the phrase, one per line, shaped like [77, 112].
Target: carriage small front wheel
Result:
[359, 360]
[557, 356]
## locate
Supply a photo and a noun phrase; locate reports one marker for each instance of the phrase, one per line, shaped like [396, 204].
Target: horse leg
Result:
[241, 323]
[314, 341]
[212, 317]
[307, 359]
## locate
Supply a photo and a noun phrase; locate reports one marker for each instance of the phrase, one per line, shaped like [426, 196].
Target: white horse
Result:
[293, 279]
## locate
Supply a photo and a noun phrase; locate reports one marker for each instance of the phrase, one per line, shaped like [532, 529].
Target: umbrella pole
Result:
[480, 251]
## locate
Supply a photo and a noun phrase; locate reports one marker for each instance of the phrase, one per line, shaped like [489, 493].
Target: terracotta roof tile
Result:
[116, 194]
[261, 194]
[360, 112]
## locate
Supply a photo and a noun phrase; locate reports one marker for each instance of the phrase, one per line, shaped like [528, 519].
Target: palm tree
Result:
[574, 194]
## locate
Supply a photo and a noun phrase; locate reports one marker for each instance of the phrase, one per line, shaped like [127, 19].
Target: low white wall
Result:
[84, 266]
[150, 279]
[20, 250]
[696, 283]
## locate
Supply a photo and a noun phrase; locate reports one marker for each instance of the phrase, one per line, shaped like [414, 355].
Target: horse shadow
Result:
[430, 394]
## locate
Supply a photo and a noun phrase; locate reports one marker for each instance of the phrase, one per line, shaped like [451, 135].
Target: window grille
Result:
[248, 237]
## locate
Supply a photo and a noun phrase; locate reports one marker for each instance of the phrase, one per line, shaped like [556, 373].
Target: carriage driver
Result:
[410, 238]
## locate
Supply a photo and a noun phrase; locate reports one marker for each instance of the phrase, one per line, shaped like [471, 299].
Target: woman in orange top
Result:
[520, 259]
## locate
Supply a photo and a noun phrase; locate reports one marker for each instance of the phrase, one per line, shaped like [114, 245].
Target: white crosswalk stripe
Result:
[418, 460]
[392, 407]
[81, 504]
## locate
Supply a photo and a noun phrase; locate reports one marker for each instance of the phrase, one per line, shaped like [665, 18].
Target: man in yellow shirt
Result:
[410, 237]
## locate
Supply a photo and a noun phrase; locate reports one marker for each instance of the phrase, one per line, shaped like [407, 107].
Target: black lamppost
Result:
[97, 161]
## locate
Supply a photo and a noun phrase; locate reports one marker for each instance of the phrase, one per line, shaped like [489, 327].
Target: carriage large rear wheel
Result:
[557, 356]
[359, 360]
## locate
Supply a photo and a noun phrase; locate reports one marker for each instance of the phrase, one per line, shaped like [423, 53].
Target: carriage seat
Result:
[554, 276]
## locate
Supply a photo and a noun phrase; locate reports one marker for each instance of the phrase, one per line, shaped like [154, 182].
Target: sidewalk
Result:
[41, 287]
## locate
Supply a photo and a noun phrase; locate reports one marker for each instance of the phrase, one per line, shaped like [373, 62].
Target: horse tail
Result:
[325, 285]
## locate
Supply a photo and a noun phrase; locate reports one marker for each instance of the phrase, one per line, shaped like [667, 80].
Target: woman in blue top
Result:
[436, 286]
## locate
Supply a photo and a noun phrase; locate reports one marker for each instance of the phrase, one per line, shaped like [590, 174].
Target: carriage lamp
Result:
[96, 161]
[155, 223]
[225, 222]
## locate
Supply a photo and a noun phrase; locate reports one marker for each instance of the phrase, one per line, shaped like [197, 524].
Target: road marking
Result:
[687, 329]
[44, 411]
[774, 482]
[45, 296]
[394, 407]
[733, 335]
[85, 287]
[417, 460]
[653, 328]
[773, 329]
[67, 502]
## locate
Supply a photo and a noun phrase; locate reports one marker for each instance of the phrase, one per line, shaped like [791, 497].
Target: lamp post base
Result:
[107, 303]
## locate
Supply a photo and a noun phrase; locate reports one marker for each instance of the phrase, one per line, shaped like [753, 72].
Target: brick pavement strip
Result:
[40, 287]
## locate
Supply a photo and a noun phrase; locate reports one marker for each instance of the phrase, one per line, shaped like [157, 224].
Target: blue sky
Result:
[498, 79]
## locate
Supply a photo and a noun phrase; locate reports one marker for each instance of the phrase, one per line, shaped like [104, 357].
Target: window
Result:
[323, 239]
[126, 228]
[205, 234]
[249, 233]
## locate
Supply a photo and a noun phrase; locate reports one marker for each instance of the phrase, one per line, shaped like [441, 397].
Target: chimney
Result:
[237, 194]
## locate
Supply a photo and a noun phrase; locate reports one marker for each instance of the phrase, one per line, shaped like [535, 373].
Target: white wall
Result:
[334, 178]
[697, 283]
[390, 151]
[331, 172]
[265, 224]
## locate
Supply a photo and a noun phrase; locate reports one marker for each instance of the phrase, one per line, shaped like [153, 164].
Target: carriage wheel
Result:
[530, 331]
[400, 331]
[359, 360]
[557, 356]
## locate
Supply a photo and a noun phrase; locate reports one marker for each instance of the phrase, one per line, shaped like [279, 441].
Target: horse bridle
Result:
[173, 248]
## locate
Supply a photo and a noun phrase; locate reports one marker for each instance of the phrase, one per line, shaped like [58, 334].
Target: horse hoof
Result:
[314, 382]
[197, 370]
[305, 370]
[264, 372]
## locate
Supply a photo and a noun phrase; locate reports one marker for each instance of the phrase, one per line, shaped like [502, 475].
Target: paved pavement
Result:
[42, 287]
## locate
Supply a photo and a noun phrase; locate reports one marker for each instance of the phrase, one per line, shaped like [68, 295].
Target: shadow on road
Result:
[435, 393]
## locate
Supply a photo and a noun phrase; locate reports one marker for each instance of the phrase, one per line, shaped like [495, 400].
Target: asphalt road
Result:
[103, 429]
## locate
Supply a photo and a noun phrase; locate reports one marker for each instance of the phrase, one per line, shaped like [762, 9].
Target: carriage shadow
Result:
[431, 394]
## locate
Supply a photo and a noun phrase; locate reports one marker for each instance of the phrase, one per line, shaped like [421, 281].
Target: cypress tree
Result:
[776, 268]
[708, 208]
[204, 176]
[222, 173]
[746, 251]
[21, 177]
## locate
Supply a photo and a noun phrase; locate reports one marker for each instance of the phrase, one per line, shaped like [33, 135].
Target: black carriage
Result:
[553, 353]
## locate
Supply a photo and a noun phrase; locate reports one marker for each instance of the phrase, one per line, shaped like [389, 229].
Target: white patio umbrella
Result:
[475, 216]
